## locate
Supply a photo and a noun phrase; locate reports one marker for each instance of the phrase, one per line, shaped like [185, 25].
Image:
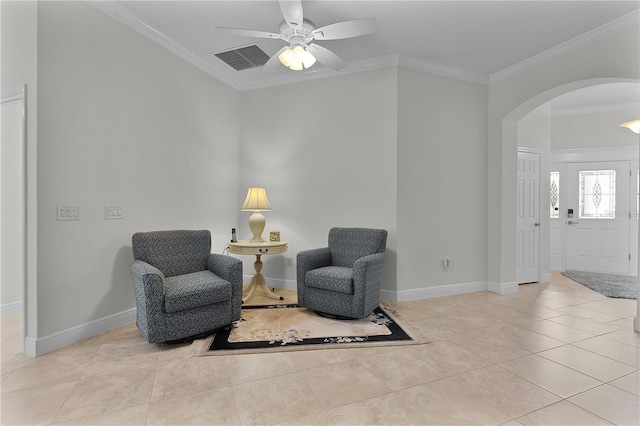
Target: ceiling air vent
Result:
[244, 58]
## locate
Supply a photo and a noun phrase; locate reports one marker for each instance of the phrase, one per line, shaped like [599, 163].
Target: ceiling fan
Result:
[300, 33]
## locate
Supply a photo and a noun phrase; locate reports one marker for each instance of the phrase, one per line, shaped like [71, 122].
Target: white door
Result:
[528, 218]
[598, 217]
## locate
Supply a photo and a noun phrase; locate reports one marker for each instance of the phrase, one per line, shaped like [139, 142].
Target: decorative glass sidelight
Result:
[554, 195]
[597, 194]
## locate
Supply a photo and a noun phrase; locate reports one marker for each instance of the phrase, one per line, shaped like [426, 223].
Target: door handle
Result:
[572, 222]
[536, 224]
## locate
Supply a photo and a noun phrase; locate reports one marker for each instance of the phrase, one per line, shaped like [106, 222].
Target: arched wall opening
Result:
[510, 144]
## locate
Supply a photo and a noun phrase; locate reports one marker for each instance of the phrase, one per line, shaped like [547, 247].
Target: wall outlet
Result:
[68, 213]
[113, 212]
[288, 261]
[446, 263]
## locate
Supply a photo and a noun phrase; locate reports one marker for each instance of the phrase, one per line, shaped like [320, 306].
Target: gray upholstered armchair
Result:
[343, 279]
[181, 288]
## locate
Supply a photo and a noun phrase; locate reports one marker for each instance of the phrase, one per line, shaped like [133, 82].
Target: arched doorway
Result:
[510, 141]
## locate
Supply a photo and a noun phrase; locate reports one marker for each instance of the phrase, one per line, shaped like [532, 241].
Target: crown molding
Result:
[447, 71]
[594, 109]
[123, 15]
[627, 21]
[131, 20]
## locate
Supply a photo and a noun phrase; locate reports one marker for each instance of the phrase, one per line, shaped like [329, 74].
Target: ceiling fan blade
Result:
[345, 29]
[247, 33]
[326, 57]
[274, 61]
[292, 12]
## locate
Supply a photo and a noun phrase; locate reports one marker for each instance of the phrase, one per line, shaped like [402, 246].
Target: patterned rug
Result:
[610, 285]
[277, 328]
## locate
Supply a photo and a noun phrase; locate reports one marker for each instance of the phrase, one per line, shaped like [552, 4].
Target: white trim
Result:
[11, 96]
[447, 71]
[627, 21]
[589, 155]
[11, 308]
[432, 292]
[413, 294]
[131, 20]
[503, 288]
[274, 282]
[43, 345]
[134, 22]
[594, 109]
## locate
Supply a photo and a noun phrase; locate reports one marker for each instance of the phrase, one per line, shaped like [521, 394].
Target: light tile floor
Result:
[552, 354]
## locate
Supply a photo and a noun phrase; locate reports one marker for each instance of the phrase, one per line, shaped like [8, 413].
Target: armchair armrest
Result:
[368, 269]
[312, 259]
[141, 268]
[148, 285]
[226, 267]
[229, 268]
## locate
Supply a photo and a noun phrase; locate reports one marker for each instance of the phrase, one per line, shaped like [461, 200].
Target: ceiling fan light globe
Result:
[287, 57]
[633, 125]
[296, 66]
[308, 60]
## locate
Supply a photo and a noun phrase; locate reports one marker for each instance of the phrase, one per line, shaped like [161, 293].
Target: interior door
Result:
[598, 217]
[528, 218]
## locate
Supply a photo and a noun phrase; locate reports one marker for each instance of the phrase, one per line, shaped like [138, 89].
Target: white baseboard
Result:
[9, 309]
[415, 294]
[274, 283]
[432, 292]
[43, 345]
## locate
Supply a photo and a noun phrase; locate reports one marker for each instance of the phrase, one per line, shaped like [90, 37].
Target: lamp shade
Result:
[633, 125]
[256, 200]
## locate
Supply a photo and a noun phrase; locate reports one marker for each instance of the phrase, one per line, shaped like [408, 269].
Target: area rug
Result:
[278, 328]
[610, 285]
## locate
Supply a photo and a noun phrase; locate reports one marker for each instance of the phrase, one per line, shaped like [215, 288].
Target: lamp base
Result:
[257, 223]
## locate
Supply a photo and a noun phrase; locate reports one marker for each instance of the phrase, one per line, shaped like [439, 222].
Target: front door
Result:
[598, 217]
[528, 218]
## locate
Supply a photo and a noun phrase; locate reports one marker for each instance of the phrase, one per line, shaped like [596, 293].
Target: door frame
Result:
[562, 157]
[541, 180]
[10, 96]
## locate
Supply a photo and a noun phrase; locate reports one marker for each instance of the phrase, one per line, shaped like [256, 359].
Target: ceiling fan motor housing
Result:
[301, 36]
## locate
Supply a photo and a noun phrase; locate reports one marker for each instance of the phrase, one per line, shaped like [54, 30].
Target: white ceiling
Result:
[481, 41]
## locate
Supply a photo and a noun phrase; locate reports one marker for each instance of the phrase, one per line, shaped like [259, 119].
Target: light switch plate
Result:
[113, 212]
[68, 213]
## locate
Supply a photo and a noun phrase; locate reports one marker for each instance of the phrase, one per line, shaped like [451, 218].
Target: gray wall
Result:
[607, 60]
[326, 152]
[19, 26]
[121, 122]
[442, 174]
[593, 130]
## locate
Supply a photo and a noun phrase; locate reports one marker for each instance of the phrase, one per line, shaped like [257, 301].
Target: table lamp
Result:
[256, 202]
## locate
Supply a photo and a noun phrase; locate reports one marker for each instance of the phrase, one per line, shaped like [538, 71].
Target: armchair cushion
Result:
[194, 290]
[334, 278]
